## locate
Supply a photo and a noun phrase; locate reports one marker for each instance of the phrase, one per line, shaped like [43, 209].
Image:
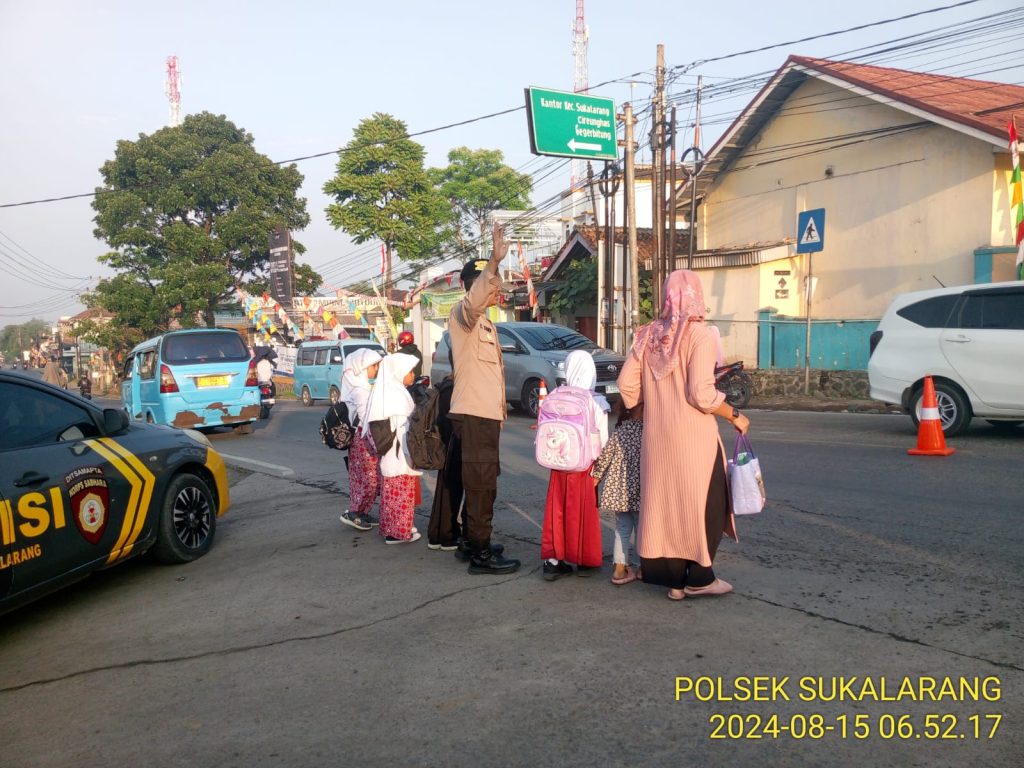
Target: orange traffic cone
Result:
[542, 392]
[930, 440]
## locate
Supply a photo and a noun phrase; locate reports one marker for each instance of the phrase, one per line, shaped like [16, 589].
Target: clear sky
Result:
[79, 76]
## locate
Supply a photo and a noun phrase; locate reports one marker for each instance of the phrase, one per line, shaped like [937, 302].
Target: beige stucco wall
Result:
[899, 209]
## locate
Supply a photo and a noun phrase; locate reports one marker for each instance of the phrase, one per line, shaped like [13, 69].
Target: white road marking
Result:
[276, 469]
[514, 508]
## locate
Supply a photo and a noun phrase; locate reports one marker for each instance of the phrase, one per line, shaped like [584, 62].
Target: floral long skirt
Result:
[397, 504]
[363, 477]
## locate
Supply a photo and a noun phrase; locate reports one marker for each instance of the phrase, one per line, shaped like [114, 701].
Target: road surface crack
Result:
[269, 644]
[884, 633]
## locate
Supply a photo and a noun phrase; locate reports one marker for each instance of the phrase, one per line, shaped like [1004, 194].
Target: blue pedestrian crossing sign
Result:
[810, 231]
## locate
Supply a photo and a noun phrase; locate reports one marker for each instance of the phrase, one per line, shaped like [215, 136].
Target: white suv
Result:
[969, 339]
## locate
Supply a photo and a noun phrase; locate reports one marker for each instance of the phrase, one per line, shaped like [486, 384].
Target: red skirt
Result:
[572, 527]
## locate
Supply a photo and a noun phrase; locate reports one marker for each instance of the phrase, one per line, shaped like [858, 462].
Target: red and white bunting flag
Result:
[526, 276]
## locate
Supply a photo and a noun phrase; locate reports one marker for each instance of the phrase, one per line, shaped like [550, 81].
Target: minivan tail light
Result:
[250, 376]
[876, 336]
[167, 382]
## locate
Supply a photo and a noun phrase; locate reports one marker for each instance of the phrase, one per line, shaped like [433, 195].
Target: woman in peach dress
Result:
[684, 504]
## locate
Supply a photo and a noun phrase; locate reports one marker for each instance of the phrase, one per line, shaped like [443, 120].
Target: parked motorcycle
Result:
[268, 395]
[735, 383]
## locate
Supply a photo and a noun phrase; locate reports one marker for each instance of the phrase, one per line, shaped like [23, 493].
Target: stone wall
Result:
[824, 383]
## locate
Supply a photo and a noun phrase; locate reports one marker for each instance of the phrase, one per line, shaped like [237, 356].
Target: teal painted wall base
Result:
[838, 345]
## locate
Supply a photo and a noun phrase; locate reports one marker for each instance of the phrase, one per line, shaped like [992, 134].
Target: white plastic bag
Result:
[745, 481]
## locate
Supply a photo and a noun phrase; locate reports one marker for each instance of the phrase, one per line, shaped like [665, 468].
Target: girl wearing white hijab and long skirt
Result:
[572, 527]
[390, 400]
[363, 473]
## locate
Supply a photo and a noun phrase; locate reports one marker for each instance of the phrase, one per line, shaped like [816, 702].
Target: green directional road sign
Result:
[571, 124]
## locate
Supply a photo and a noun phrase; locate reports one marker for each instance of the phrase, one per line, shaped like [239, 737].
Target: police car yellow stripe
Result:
[6, 523]
[148, 482]
[133, 499]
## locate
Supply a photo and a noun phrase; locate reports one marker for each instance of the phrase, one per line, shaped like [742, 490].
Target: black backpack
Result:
[335, 429]
[426, 449]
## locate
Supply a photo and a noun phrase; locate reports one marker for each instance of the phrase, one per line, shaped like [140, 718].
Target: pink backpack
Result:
[567, 435]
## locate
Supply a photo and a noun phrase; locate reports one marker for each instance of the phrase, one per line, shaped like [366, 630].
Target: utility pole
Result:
[630, 198]
[657, 176]
[601, 274]
[609, 185]
[698, 166]
[671, 215]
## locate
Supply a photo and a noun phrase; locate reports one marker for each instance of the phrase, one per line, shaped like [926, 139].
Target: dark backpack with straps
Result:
[426, 449]
[336, 431]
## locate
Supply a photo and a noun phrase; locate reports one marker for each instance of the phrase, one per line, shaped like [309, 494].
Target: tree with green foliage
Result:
[14, 339]
[188, 212]
[477, 182]
[383, 192]
[577, 289]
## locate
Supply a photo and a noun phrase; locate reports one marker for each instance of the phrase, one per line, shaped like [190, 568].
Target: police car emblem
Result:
[90, 498]
[91, 517]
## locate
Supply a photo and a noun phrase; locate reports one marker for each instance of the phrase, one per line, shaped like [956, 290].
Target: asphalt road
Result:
[299, 642]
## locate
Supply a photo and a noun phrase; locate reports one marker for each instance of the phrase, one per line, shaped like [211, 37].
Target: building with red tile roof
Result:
[912, 170]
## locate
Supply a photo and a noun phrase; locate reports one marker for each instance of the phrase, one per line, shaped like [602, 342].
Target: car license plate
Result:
[611, 389]
[212, 381]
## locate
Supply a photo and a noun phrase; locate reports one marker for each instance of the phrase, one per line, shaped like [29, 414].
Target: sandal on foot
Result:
[716, 587]
[629, 576]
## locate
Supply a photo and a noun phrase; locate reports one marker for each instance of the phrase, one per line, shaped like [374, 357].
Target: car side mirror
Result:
[114, 420]
[511, 349]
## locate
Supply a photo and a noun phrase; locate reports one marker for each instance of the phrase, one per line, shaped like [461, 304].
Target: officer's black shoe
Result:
[488, 561]
[465, 550]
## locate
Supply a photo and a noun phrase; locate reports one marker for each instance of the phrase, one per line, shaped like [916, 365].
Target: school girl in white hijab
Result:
[571, 533]
[390, 400]
[363, 474]
[581, 372]
[355, 383]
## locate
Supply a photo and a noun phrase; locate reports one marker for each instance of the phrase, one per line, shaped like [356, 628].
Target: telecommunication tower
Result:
[172, 88]
[580, 36]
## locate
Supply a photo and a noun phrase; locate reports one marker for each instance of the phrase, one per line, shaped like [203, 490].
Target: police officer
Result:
[478, 404]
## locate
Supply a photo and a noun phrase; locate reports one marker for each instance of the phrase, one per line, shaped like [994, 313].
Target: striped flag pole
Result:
[1017, 200]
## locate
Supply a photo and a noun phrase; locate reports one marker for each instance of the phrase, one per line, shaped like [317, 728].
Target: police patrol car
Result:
[82, 489]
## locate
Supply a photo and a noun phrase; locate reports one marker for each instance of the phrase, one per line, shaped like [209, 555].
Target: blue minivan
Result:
[197, 378]
[318, 366]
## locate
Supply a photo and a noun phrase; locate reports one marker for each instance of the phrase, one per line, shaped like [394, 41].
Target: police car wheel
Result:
[188, 520]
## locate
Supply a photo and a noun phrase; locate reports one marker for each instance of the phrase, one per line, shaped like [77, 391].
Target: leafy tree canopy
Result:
[16, 338]
[383, 192]
[578, 288]
[188, 212]
[477, 182]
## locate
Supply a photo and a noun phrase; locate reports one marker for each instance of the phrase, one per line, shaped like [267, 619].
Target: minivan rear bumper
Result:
[218, 414]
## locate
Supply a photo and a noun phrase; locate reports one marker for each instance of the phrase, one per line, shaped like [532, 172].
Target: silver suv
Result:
[535, 352]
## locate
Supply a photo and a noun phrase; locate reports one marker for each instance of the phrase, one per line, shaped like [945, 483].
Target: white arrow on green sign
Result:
[569, 124]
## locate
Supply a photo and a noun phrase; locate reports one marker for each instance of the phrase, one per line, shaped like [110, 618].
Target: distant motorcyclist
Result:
[85, 385]
[407, 346]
